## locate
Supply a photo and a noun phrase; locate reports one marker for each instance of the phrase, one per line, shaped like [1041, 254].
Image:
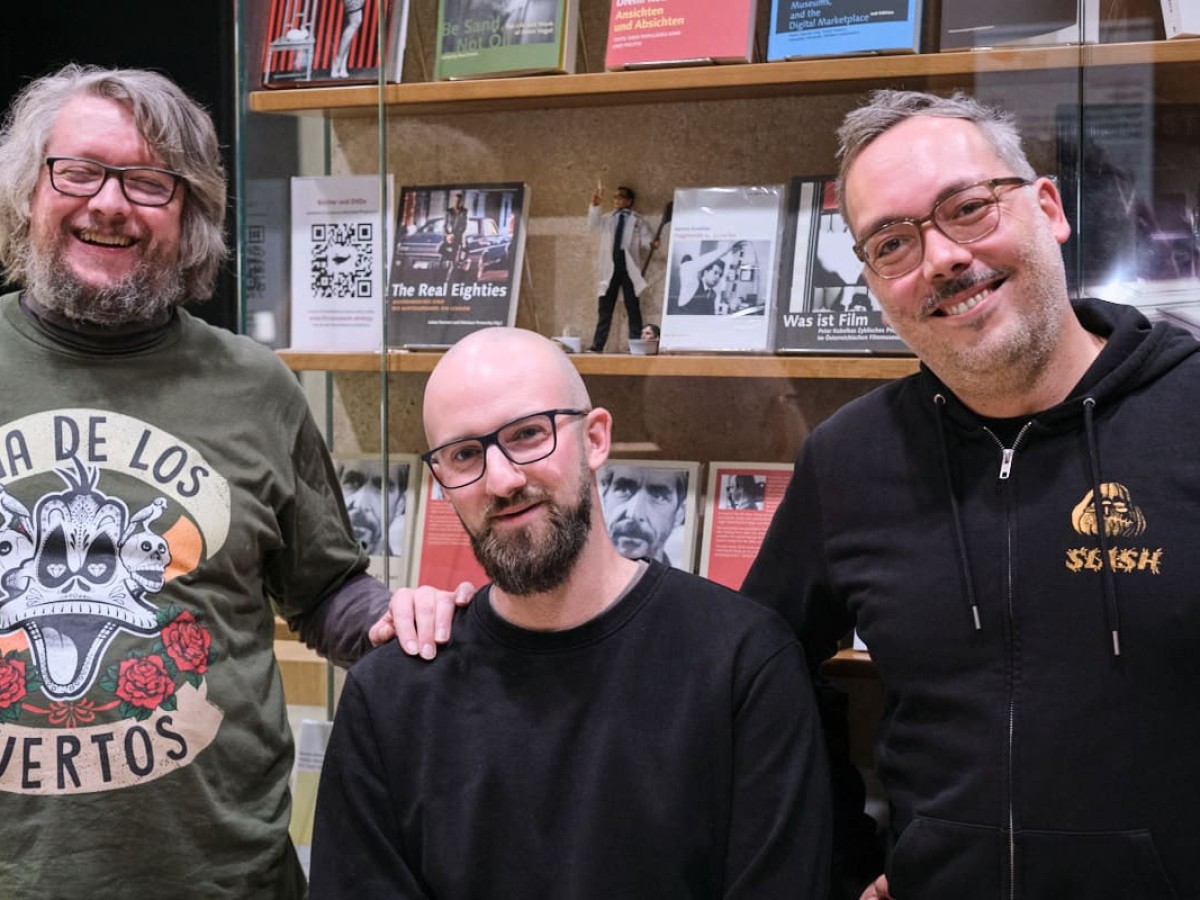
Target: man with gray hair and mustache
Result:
[1012, 531]
[164, 493]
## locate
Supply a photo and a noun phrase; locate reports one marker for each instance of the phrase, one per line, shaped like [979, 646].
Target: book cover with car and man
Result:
[456, 262]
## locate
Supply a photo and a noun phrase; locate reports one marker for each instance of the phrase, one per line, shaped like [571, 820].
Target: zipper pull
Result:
[1006, 461]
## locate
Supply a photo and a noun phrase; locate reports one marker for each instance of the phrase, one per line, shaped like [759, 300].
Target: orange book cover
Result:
[740, 501]
[647, 33]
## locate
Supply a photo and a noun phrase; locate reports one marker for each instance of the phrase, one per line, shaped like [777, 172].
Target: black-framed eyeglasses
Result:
[523, 441]
[969, 214]
[142, 185]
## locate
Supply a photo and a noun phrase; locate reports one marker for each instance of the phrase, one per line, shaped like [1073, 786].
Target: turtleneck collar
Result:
[96, 338]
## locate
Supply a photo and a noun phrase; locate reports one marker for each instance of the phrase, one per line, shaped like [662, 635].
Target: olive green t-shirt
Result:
[158, 505]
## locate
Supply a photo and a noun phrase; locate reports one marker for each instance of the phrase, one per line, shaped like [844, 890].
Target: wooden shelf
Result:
[882, 368]
[710, 82]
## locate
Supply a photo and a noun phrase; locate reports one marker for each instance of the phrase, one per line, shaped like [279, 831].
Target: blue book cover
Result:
[802, 28]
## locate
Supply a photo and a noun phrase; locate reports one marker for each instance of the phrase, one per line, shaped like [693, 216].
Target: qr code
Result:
[343, 262]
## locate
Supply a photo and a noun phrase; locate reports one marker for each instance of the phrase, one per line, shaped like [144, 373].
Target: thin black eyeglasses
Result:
[969, 214]
[142, 185]
[523, 441]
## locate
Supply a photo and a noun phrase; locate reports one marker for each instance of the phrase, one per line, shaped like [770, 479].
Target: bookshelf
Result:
[698, 365]
[735, 124]
[740, 82]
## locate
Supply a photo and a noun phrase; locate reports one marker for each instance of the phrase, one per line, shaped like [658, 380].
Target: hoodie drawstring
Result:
[1108, 578]
[959, 538]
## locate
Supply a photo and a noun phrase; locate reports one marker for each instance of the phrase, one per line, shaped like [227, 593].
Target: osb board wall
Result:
[685, 418]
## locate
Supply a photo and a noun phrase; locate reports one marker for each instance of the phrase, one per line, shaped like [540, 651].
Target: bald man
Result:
[599, 727]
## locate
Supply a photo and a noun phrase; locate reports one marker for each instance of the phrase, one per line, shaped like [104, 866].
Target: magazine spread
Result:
[456, 263]
[338, 262]
[825, 305]
[739, 502]
[650, 508]
[721, 273]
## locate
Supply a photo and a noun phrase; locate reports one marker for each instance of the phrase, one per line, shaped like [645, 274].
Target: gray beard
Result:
[519, 566]
[145, 296]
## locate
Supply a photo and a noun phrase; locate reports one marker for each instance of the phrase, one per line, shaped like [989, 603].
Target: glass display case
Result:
[1112, 120]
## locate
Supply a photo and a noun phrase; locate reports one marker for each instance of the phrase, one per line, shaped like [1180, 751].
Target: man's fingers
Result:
[382, 631]
[425, 604]
[421, 618]
[400, 619]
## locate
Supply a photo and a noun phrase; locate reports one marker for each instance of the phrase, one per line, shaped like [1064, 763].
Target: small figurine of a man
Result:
[625, 236]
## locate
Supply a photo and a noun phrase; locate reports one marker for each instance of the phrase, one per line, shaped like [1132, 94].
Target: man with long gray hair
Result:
[164, 492]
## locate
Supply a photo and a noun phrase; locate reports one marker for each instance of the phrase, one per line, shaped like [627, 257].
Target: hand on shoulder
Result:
[420, 618]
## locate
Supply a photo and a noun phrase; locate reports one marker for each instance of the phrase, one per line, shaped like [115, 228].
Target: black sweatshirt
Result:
[668, 748]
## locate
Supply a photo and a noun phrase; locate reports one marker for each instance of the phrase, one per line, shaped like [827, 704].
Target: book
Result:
[825, 305]
[379, 506]
[650, 508]
[338, 262]
[802, 28]
[649, 33]
[264, 259]
[1181, 18]
[312, 42]
[970, 24]
[499, 38]
[740, 500]
[442, 554]
[1127, 173]
[456, 262]
[311, 742]
[721, 270]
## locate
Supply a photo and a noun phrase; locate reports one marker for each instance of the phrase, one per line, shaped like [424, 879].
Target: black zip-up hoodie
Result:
[1041, 733]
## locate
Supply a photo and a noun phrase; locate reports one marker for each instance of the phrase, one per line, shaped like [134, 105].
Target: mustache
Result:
[521, 497]
[963, 282]
[633, 530]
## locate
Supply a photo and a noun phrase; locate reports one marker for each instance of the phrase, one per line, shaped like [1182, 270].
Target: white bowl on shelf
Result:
[640, 347]
[570, 343]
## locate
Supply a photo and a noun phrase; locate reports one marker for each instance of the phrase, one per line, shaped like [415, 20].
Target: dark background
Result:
[189, 40]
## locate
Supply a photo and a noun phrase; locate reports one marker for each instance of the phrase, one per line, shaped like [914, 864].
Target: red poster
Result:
[740, 502]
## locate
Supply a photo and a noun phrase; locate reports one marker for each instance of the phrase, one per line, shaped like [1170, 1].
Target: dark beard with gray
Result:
[518, 565]
[144, 296]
